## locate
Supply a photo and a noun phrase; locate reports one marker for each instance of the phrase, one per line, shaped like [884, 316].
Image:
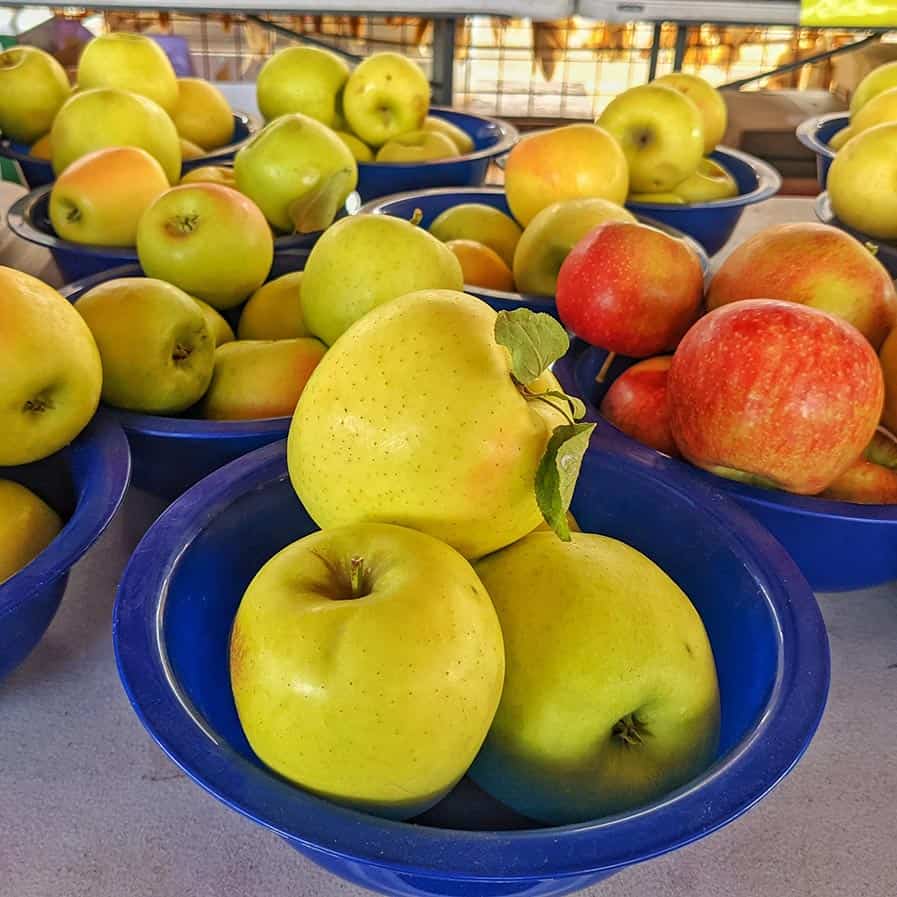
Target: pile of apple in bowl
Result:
[777, 391]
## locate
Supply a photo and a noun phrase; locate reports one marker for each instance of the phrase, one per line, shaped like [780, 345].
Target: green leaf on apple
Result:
[317, 208]
[533, 339]
[573, 407]
[557, 474]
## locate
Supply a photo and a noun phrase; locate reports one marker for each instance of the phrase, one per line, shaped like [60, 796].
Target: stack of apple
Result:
[50, 377]
[379, 109]
[778, 384]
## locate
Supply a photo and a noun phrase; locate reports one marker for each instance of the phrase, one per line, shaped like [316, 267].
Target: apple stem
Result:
[416, 217]
[602, 374]
[356, 577]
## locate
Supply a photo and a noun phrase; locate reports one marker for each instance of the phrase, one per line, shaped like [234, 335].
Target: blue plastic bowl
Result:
[85, 484]
[712, 223]
[815, 134]
[170, 454]
[433, 203]
[838, 545]
[29, 218]
[38, 172]
[765, 627]
[492, 139]
[886, 252]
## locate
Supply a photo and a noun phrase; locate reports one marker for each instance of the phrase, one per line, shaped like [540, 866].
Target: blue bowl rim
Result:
[734, 784]
[769, 182]
[376, 207]
[20, 220]
[509, 135]
[807, 132]
[93, 513]
[805, 505]
[244, 118]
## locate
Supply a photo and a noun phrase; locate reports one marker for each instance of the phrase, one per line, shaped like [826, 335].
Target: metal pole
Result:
[681, 41]
[443, 61]
[655, 51]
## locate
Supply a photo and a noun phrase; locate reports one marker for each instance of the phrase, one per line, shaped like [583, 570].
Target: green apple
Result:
[274, 310]
[33, 87]
[359, 149]
[549, 237]
[106, 116]
[366, 664]
[477, 221]
[611, 697]
[298, 172]
[462, 140]
[365, 260]
[665, 198]
[27, 526]
[872, 478]
[881, 109]
[414, 417]
[840, 138]
[709, 183]
[209, 240]
[211, 174]
[190, 150]
[861, 179]
[385, 96]
[417, 146]
[221, 331]
[131, 62]
[257, 379]
[878, 80]
[50, 386]
[661, 132]
[202, 115]
[156, 347]
[309, 80]
[100, 197]
[710, 103]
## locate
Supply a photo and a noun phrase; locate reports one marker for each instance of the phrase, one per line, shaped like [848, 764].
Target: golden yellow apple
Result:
[202, 115]
[27, 526]
[709, 101]
[274, 310]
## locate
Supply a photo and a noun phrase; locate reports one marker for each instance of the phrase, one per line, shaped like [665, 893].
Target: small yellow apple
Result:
[358, 148]
[664, 198]
[211, 174]
[190, 150]
[202, 115]
[477, 221]
[482, 266]
[221, 331]
[710, 182]
[840, 138]
[709, 101]
[879, 79]
[462, 140]
[882, 108]
[27, 526]
[41, 149]
[274, 310]
[417, 146]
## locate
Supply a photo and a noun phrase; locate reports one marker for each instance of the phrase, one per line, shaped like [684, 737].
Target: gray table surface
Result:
[90, 807]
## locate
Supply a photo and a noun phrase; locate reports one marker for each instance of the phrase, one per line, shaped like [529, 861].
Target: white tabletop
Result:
[90, 807]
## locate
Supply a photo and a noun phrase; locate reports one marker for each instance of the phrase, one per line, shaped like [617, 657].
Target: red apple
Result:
[630, 289]
[636, 403]
[872, 479]
[816, 265]
[774, 393]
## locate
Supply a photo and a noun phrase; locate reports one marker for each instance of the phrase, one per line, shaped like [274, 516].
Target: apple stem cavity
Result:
[628, 730]
[181, 352]
[181, 225]
[38, 404]
[605, 367]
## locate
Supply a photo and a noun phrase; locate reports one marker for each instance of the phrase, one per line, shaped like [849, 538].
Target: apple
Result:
[33, 87]
[386, 95]
[881, 109]
[202, 115]
[661, 133]
[132, 62]
[610, 698]
[462, 140]
[221, 331]
[550, 236]
[413, 417]
[888, 358]
[636, 403]
[878, 80]
[710, 103]
[211, 174]
[477, 221]
[840, 138]
[365, 260]
[572, 162]
[813, 264]
[274, 310]
[663, 198]
[298, 172]
[360, 150]
[366, 664]
[482, 266]
[209, 240]
[100, 197]
[309, 80]
[860, 182]
[258, 379]
[156, 347]
[106, 116]
[417, 146]
[41, 148]
[27, 526]
[872, 479]
[709, 183]
[630, 289]
[51, 379]
[774, 393]
[190, 150]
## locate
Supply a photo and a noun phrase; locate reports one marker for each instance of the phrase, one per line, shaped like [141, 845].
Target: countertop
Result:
[90, 807]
